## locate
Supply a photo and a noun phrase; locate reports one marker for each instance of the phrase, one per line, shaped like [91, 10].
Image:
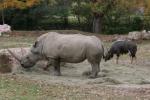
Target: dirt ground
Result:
[120, 79]
[124, 78]
[111, 73]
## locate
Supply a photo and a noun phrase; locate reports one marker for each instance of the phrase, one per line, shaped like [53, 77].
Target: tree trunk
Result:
[3, 19]
[97, 24]
[65, 22]
[79, 21]
[78, 14]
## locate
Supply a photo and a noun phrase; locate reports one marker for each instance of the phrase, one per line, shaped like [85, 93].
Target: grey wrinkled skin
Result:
[30, 60]
[70, 48]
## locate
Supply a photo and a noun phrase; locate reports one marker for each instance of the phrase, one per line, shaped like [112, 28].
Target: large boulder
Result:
[135, 35]
[8, 62]
[4, 29]
[139, 35]
[146, 35]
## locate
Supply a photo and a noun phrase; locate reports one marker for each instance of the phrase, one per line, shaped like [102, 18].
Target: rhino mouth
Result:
[26, 66]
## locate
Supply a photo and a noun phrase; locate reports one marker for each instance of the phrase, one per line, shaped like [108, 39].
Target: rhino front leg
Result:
[45, 68]
[56, 65]
[95, 70]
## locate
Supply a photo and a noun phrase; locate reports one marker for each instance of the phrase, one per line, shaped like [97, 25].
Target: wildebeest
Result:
[71, 48]
[122, 47]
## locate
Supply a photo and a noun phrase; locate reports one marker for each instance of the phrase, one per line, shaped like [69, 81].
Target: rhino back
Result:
[71, 48]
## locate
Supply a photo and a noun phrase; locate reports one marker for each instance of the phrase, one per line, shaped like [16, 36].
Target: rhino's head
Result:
[32, 57]
[29, 60]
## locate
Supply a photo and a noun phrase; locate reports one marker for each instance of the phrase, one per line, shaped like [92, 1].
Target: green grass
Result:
[16, 41]
[13, 89]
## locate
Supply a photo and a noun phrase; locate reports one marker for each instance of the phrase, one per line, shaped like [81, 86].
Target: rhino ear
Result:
[37, 47]
[35, 44]
[35, 51]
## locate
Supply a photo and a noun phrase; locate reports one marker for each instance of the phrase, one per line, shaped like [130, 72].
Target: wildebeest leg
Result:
[56, 64]
[135, 59]
[117, 59]
[131, 59]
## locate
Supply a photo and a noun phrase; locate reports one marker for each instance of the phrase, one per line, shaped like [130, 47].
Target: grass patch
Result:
[16, 41]
[111, 80]
[20, 88]
[13, 89]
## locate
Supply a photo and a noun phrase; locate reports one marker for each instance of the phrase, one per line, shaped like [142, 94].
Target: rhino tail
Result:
[103, 51]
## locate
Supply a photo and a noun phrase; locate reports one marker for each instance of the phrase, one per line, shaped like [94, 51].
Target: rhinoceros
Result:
[69, 48]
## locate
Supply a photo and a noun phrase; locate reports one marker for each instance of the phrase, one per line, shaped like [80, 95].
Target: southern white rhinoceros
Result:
[71, 48]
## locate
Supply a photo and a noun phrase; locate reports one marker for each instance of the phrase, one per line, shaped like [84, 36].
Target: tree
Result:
[18, 3]
[21, 4]
[99, 9]
[82, 10]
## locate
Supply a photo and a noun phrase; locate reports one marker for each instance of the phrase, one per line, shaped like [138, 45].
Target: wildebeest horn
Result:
[15, 56]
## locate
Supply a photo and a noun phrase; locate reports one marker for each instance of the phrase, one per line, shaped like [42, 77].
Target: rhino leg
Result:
[95, 70]
[56, 64]
[94, 60]
[45, 68]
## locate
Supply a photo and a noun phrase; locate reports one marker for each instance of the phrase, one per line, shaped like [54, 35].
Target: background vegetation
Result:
[99, 16]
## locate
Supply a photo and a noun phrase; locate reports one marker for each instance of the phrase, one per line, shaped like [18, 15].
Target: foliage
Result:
[81, 9]
[102, 6]
[18, 3]
[119, 16]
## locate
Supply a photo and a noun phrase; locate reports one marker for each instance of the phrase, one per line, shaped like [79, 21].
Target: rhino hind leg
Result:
[56, 65]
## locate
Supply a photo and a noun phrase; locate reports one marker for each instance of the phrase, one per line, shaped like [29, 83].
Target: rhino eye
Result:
[35, 44]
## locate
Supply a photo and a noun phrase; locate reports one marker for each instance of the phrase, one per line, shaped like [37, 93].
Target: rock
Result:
[14, 65]
[5, 29]
[135, 35]
[146, 35]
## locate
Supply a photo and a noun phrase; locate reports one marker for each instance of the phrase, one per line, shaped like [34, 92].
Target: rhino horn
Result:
[14, 55]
